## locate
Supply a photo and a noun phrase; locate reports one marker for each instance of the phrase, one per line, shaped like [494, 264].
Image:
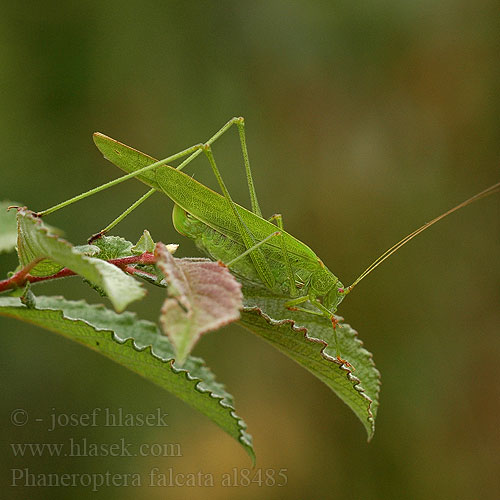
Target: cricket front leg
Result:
[278, 220]
[292, 305]
[328, 314]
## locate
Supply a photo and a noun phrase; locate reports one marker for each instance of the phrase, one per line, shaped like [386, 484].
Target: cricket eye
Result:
[341, 290]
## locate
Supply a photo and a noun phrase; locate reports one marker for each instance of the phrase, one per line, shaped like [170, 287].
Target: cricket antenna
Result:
[492, 189]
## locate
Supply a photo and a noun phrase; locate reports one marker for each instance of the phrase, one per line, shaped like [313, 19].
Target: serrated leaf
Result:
[8, 227]
[203, 296]
[309, 340]
[139, 346]
[35, 241]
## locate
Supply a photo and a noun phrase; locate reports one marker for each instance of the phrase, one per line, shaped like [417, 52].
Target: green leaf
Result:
[139, 346]
[8, 227]
[146, 244]
[116, 247]
[309, 340]
[203, 296]
[113, 247]
[35, 241]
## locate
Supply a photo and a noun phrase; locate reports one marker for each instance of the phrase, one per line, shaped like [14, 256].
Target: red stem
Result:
[21, 277]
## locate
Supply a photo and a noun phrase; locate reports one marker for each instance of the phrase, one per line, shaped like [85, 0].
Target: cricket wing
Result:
[126, 158]
[213, 209]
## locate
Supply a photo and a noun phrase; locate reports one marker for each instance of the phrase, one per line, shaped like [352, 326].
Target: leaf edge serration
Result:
[225, 401]
[373, 403]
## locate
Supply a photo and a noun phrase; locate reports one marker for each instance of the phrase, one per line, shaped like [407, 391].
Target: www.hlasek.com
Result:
[85, 448]
[154, 478]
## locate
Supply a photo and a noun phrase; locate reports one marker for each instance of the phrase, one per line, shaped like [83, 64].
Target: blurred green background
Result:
[363, 121]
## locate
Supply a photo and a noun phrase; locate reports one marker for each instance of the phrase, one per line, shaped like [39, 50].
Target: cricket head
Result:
[335, 296]
[326, 285]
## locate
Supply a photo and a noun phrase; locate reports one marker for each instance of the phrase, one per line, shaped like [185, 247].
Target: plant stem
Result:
[20, 278]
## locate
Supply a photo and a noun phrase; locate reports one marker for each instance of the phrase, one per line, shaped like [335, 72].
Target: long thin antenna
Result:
[492, 189]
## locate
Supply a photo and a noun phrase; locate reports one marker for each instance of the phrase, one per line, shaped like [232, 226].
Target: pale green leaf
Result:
[35, 241]
[8, 227]
[139, 346]
[89, 250]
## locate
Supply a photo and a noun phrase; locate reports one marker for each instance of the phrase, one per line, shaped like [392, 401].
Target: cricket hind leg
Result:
[116, 221]
[328, 314]
[240, 123]
[193, 152]
[252, 246]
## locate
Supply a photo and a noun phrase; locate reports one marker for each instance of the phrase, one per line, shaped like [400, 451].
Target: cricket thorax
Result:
[325, 284]
[322, 280]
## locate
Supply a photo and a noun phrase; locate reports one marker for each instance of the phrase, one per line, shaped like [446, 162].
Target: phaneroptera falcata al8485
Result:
[254, 249]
